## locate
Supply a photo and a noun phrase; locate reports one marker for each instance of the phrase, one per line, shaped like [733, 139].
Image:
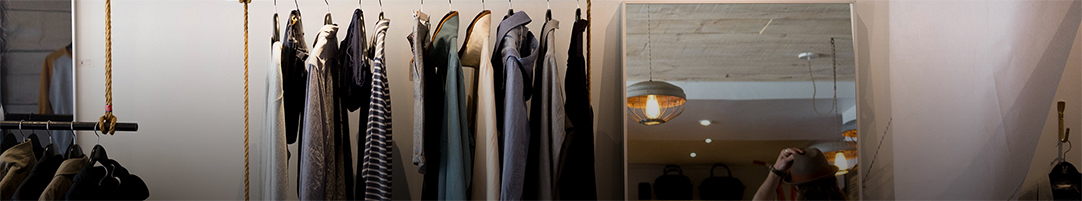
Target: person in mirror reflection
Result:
[808, 170]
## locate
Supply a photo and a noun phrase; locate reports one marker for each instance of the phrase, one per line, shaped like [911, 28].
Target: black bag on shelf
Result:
[673, 187]
[721, 188]
[644, 191]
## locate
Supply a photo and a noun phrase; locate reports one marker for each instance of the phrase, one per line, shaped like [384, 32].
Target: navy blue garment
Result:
[513, 62]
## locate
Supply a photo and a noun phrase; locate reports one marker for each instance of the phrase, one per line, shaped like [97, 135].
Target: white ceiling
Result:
[751, 85]
[738, 42]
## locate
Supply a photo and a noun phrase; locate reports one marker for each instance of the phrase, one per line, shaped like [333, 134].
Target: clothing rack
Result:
[56, 122]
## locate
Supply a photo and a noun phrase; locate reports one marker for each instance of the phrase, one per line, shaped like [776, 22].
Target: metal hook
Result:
[449, 5]
[49, 133]
[328, 6]
[21, 130]
[275, 6]
[483, 5]
[298, 4]
[548, 4]
[577, 6]
[73, 137]
[96, 133]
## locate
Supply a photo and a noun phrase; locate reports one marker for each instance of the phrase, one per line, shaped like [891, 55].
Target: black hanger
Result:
[74, 150]
[327, 19]
[578, 10]
[277, 30]
[10, 140]
[39, 149]
[548, 13]
[510, 10]
[98, 152]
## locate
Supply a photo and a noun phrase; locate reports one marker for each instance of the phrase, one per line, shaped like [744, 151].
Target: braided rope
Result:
[108, 117]
[589, 24]
[246, 2]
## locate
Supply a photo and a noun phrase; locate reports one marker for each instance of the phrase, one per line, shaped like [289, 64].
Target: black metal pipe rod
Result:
[38, 117]
[59, 125]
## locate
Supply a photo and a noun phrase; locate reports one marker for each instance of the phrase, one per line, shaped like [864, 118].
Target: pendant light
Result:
[654, 102]
[845, 151]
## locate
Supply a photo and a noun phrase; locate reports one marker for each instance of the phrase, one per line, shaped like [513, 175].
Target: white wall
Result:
[971, 83]
[1036, 185]
[178, 72]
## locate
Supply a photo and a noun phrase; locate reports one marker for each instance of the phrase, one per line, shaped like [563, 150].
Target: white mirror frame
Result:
[623, 66]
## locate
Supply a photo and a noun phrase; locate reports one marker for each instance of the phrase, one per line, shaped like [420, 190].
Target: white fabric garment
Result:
[486, 164]
[275, 174]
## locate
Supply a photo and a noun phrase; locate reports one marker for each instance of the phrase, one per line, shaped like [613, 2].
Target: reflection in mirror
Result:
[744, 82]
[37, 62]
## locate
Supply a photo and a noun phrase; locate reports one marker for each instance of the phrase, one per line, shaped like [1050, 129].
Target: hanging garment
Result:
[111, 181]
[433, 114]
[547, 118]
[15, 165]
[55, 91]
[513, 71]
[39, 177]
[354, 92]
[419, 43]
[61, 182]
[320, 170]
[575, 178]
[455, 136]
[275, 156]
[378, 143]
[294, 75]
[486, 165]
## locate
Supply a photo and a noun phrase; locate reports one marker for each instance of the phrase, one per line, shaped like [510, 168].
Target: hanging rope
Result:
[108, 117]
[245, 2]
[589, 23]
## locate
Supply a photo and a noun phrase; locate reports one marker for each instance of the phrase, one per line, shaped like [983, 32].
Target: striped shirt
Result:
[376, 169]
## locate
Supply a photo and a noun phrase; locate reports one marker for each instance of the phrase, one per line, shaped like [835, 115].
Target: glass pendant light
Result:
[654, 102]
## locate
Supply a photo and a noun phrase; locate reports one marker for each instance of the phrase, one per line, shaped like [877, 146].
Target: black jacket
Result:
[107, 182]
[38, 178]
[575, 173]
[294, 75]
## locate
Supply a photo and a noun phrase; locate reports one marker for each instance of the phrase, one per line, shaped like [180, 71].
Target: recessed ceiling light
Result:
[705, 122]
[693, 154]
[708, 140]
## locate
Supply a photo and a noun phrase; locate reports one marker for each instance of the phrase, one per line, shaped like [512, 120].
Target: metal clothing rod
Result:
[59, 125]
[39, 117]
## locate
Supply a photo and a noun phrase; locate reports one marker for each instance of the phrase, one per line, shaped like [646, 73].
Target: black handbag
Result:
[673, 186]
[721, 188]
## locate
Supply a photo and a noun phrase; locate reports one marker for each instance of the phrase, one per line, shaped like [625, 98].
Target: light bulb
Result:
[653, 109]
[708, 140]
[704, 122]
[693, 155]
[841, 163]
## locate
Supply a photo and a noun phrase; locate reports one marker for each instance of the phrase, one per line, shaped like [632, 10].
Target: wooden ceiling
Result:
[738, 42]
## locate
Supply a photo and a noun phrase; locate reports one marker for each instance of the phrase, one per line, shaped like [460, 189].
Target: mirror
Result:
[38, 75]
[735, 84]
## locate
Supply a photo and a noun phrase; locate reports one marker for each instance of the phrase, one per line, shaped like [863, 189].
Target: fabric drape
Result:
[547, 118]
[319, 168]
[275, 156]
[575, 177]
[517, 52]
[378, 142]
[476, 53]
[419, 43]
